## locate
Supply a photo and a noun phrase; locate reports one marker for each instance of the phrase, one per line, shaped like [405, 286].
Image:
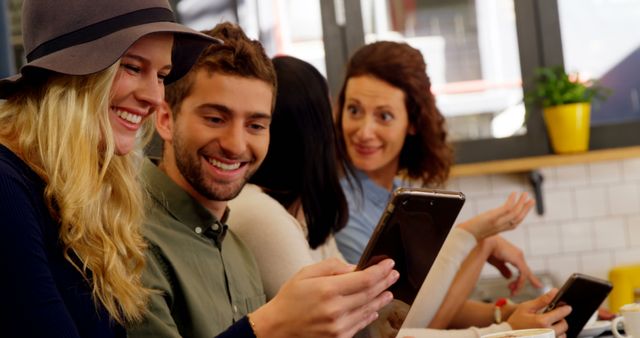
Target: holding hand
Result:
[526, 315]
[327, 299]
[503, 218]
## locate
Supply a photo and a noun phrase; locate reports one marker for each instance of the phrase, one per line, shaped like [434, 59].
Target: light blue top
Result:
[365, 209]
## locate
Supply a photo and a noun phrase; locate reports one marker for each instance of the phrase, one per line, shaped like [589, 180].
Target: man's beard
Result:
[191, 169]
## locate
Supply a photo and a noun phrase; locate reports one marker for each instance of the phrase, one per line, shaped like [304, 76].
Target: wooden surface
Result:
[532, 163]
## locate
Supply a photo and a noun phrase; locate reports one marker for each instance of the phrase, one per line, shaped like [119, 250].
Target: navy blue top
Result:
[239, 329]
[43, 295]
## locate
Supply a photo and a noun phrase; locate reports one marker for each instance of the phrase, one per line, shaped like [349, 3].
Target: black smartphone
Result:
[584, 294]
[411, 231]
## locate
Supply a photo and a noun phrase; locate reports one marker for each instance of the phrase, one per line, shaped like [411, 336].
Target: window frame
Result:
[539, 44]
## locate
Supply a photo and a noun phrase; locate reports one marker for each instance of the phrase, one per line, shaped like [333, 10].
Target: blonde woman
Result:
[71, 130]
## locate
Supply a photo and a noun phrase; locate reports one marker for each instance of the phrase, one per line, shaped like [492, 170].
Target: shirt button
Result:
[198, 230]
[235, 309]
[215, 227]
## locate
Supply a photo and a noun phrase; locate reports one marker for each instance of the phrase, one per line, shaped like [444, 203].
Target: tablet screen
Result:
[411, 232]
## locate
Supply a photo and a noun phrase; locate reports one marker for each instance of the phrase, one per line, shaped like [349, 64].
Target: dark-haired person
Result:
[215, 131]
[72, 126]
[294, 204]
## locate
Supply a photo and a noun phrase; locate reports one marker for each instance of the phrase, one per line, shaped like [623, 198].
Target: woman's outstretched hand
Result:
[505, 217]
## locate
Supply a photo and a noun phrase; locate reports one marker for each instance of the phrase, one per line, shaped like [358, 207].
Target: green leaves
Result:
[555, 87]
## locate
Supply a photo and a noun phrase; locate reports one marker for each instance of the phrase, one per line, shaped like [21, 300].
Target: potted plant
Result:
[566, 105]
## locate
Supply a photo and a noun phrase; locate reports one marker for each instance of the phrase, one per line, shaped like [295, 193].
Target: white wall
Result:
[591, 220]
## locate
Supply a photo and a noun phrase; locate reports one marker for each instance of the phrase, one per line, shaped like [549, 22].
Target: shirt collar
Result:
[182, 206]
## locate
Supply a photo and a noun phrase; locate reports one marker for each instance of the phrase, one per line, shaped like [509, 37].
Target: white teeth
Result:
[224, 166]
[128, 116]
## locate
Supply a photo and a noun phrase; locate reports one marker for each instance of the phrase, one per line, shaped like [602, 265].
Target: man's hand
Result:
[327, 299]
[526, 315]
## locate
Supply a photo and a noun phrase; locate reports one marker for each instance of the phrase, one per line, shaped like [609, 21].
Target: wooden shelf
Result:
[532, 163]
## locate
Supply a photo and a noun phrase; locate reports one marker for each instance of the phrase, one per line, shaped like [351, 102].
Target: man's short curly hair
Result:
[238, 56]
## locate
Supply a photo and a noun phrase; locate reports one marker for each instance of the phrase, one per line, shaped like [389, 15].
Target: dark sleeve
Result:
[239, 329]
[31, 304]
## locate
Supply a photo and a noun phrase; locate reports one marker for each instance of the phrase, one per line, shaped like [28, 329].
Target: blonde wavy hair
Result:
[61, 129]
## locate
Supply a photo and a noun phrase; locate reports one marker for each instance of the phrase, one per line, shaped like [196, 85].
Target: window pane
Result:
[15, 22]
[471, 51]
[291, 27]
[300, 31]
[600, 43]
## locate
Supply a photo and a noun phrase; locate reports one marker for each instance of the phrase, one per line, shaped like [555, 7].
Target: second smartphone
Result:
[584, 294]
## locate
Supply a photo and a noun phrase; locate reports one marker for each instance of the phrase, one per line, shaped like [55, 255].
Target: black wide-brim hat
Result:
[81, 37]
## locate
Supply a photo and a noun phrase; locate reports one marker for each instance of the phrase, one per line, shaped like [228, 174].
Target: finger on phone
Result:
[558, 314]
[560, 328]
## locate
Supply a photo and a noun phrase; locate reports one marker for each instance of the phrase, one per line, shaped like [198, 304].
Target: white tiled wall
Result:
[591, 220]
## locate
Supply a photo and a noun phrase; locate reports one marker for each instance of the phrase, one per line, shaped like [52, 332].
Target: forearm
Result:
[473, 313]
[461, 287]
[479, 314]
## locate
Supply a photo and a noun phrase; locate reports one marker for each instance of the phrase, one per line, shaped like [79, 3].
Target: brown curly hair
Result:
[427, 155]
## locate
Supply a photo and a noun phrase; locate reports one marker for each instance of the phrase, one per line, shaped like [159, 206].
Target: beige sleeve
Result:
[432, 292]
[274, 237]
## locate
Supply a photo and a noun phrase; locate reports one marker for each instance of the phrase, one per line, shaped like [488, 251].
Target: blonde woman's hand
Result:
[505, 217]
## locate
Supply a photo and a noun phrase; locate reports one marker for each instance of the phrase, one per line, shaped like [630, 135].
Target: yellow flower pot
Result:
[568, 127]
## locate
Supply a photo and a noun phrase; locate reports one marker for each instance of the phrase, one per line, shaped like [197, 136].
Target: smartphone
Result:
[411, 231]
[584, 294]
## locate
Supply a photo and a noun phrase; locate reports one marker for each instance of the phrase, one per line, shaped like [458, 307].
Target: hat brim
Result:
[9, 85]
[99, 54]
